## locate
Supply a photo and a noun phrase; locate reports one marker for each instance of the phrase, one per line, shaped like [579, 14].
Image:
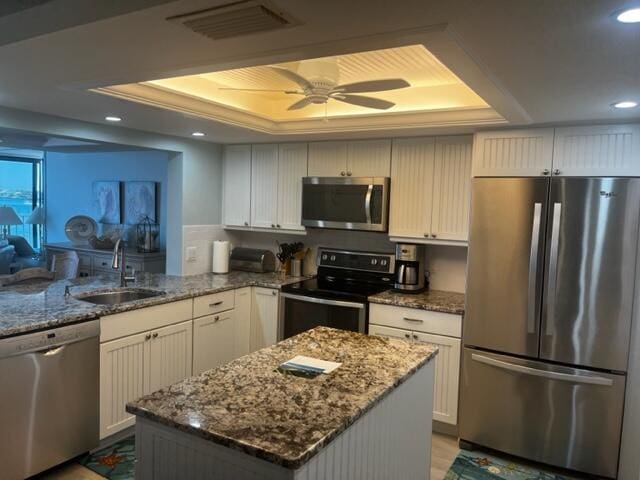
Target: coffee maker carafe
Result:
[409, 268]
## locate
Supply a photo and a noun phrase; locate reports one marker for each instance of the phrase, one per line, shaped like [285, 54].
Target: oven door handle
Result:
[323, 301]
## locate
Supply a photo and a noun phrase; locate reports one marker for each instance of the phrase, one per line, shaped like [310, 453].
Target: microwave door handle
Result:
[367, 203]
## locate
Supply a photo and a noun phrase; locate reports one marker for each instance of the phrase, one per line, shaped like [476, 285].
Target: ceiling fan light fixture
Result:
[625, 104]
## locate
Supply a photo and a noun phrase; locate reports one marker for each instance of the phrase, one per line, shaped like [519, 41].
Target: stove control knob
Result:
[383, 263]
[333, 258]
[324, 256]
[374, 261]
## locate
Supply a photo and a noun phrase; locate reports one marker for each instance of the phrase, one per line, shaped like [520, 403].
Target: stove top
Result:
[347, 275]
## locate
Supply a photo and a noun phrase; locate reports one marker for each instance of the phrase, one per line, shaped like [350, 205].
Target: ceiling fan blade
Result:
[372, 86]
[300, 104]
[294, 77]
[363, 101]
[291, 92]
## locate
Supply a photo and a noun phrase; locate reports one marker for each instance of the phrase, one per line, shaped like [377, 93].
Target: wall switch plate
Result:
[191, 254]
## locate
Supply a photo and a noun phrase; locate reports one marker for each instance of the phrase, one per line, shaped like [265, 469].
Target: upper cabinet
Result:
[362, 158]
[430, 189]
[236, 185]
[596, 150]
[513, 153]
[276, 185]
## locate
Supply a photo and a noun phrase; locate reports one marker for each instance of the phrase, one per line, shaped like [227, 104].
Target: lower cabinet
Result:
[135, 365]
[264, 317]
[447, 364]
[214, 339]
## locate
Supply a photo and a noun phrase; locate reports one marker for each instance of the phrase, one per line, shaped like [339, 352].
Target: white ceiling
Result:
[558, 60]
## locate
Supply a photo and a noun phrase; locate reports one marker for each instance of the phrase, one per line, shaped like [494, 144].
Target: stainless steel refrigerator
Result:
[550, 285]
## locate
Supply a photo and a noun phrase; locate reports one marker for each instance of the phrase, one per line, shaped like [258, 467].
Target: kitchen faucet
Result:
[119, 263]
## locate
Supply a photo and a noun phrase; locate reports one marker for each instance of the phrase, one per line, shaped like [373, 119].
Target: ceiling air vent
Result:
[236, 19]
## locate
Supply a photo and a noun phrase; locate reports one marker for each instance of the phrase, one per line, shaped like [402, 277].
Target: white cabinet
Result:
[170, 357]
[431, 190]
[139, 364]
[600, 150]
[123, 378]
[362, 158]
[292, 167]
[214, 341]
[441, 329]
[264, 186]
[328, 159]
[236, 185]
[451, 188]
[264, 317]
[243, 322]
[513, 153]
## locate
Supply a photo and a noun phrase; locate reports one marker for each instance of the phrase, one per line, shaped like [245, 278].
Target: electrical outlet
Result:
[191, 254]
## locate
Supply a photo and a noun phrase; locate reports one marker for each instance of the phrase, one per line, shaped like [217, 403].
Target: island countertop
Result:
[248, 406]
[432, 300]
[33, 307]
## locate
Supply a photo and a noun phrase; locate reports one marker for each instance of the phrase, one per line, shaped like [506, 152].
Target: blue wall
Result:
[69, 178]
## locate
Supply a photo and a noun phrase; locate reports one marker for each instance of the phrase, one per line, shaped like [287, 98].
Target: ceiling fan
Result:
[322, 87]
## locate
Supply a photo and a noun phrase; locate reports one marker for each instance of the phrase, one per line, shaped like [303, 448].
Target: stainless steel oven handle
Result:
[323, 301]
[533, 268]
[552, 281]
[564, 377]
[367, 203]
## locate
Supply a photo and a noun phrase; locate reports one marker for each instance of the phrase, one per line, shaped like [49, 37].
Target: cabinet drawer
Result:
[216, 302]
[102, 262]
[415, 319]
[136, 321]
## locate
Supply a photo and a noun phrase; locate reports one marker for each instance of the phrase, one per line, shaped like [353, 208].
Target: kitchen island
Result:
[368, 419]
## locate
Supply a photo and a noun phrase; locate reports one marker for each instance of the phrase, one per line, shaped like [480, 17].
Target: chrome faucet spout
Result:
[115, 262]
[119, 262]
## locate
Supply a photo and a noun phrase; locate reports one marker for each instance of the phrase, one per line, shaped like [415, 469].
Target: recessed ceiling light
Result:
[112, 118]
[625, 104]
[629, 15]
[197, 134]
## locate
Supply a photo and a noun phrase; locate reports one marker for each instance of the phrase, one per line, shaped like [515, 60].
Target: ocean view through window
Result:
[20, 188]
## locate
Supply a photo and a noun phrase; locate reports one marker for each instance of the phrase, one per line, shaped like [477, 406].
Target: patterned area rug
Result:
[480, 466]
[115, 462]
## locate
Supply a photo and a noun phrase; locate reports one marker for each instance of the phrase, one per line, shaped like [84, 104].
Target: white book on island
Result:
[312, 364]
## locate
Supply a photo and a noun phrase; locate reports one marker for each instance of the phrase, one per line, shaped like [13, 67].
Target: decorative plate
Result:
[79, 228]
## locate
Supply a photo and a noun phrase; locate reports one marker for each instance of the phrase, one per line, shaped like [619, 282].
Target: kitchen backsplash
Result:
[447, 265]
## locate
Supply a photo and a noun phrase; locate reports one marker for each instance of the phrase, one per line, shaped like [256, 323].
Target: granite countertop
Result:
[36, 306]
[248, 406]
[433, 300]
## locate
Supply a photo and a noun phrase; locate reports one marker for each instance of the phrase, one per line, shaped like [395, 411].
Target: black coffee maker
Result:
[409, 268]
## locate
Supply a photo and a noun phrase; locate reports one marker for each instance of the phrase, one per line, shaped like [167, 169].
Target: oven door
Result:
[354, 203]
[301, 313]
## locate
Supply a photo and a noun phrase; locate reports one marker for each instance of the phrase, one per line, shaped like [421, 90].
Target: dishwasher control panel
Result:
[47, 339]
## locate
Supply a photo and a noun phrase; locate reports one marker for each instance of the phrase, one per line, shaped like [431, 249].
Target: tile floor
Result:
[444, 451]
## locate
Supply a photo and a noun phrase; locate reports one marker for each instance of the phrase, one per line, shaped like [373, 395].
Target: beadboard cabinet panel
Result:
[369, 158]
[412, 169]
[264, 186]
[452, 188]
[170, 355]
[513, 153]
[123, 377]
[264, 317]
[214, 338]
[292, 167]
[328, 159]
[242, 340]
[236, 185]
[600, 150]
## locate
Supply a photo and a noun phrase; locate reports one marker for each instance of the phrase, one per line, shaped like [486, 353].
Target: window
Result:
[21, 188]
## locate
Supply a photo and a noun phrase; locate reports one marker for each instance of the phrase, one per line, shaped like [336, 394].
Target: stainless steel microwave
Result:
[350, 203]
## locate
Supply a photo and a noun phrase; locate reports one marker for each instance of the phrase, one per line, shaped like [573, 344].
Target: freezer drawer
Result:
[560, 416]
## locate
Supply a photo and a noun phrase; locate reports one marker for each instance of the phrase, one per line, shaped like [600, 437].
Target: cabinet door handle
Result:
[426, 235]
[274, 293]
[414, 320]
[246, 224]
[278, 225]
[433, 235]
[216, 318]
[545, 171]
[215, 304]
[349, 174]
[147, 336]
[342, 174]
[415, 337]
[407, 335]
[155, 335]
[556, 171]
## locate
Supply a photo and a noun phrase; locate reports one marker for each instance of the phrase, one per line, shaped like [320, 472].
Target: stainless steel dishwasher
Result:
[49, 398]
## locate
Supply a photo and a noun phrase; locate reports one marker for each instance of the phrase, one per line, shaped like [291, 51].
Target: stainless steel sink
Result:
[122, 295]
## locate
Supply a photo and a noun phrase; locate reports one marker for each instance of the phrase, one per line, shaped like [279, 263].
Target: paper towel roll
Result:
[220, 256]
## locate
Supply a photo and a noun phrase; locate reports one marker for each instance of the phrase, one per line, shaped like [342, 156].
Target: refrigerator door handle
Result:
[553, 268]
[533, 268]
[564, 377]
